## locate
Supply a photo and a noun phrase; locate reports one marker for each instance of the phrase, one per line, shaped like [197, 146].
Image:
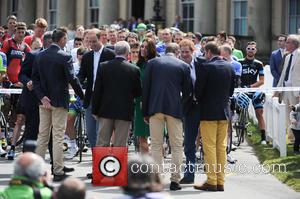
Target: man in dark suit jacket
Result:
[117, 84]
[165, 79]
[52, 73]
[29, 100]
[90, 65]
[214, 86]
[191, 109]
[276, 59]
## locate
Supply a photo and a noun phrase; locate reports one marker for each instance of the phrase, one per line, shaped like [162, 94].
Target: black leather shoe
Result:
[174, 186]
[58, 178]
[68, 169]
[220, 187]
[185, 180]
[65, 169]
[89, 175]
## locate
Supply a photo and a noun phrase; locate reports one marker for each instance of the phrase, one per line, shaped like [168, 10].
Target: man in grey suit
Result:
[166, 84]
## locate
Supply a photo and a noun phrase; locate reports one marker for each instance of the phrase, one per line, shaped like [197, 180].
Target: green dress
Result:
[140, 127]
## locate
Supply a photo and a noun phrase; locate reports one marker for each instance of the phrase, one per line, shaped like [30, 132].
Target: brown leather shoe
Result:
[220, 187]
[206, 187]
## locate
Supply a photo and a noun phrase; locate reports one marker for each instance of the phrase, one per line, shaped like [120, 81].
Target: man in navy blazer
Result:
[276, 59]
[90, 65]
[214, 85]
[167, 83]
[52, 73]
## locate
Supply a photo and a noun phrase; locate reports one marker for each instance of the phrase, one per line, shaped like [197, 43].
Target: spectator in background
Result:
[112, 37]
[167, 38]
[178, 23]
[132, 38]
[77, 44]
[11, 23]
[71, 188]
[134, 53]
[122, 34]
[276, 59]
[79, 33]
[36, 43]
[238, 54]
[2, 35]
[39, 30]
[178, 37]
[221, 37]
[198, 46]
[104, 37]
[141, 30]
[29, 179]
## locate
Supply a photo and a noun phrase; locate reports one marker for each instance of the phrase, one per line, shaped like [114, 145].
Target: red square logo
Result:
[110, 166]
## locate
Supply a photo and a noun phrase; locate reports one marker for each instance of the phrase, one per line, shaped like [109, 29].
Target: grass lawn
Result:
[268, 155]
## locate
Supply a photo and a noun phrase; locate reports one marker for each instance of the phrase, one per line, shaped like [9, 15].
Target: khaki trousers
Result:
[175, 131]
[57, 119]
[106, 129]
[214, 140]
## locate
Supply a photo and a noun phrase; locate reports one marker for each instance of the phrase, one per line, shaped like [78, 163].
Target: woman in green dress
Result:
[141, 129]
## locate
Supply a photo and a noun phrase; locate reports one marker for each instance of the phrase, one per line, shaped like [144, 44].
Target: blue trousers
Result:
[91, 126]
[191, 130]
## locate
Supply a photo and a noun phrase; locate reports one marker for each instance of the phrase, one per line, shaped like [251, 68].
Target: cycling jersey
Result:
[15, 54]
[251, 69]
[3, 62]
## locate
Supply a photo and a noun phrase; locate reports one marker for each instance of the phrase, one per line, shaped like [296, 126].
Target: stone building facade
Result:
[259, 20]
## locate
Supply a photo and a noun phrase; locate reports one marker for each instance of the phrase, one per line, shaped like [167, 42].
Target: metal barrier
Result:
[275, 119]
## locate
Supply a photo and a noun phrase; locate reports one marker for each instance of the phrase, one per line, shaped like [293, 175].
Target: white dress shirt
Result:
[97, 55]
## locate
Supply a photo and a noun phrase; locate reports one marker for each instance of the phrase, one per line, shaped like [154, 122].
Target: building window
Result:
[93, 13]
[294, 16]
[52, 14]
[14, 7]
[240, 17]
[187, 15]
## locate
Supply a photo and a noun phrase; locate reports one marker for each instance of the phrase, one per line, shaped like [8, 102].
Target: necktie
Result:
[287, 72]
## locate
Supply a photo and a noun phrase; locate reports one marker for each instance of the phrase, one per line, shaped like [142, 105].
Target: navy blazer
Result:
[166, 85]
[214, 85]
[188, 102]
[28, 97]
[275, 61]
[51, 75]
[117, 84]
[86, 72]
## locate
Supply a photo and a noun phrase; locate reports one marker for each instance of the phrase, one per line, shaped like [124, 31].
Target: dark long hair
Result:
[151, 51]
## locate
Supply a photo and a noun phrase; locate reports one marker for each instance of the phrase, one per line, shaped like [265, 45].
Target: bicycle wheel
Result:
[242, 127]
[79, 135]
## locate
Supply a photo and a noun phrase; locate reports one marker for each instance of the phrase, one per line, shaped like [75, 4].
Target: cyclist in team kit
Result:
[15, 50]
[253, 69]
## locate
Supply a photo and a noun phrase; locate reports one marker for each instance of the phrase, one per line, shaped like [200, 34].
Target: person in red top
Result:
[11, 23]
[15, 50]
[39, 30]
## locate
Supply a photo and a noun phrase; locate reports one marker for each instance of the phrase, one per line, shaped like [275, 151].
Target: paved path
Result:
[238, 184]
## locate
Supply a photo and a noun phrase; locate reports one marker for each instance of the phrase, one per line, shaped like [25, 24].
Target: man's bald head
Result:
[29, 165]
[71, 188]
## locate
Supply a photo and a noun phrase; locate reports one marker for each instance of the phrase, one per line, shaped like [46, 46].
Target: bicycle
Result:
[81, 134]
[242, 104]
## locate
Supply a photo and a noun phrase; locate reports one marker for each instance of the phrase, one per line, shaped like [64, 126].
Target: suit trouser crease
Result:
[174, 126]
[57, 118]
[214, 139]
[191, 131]
[92, 126]
[107, 127]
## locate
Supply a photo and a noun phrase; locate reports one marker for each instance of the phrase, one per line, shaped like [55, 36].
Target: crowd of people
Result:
[163, 81]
